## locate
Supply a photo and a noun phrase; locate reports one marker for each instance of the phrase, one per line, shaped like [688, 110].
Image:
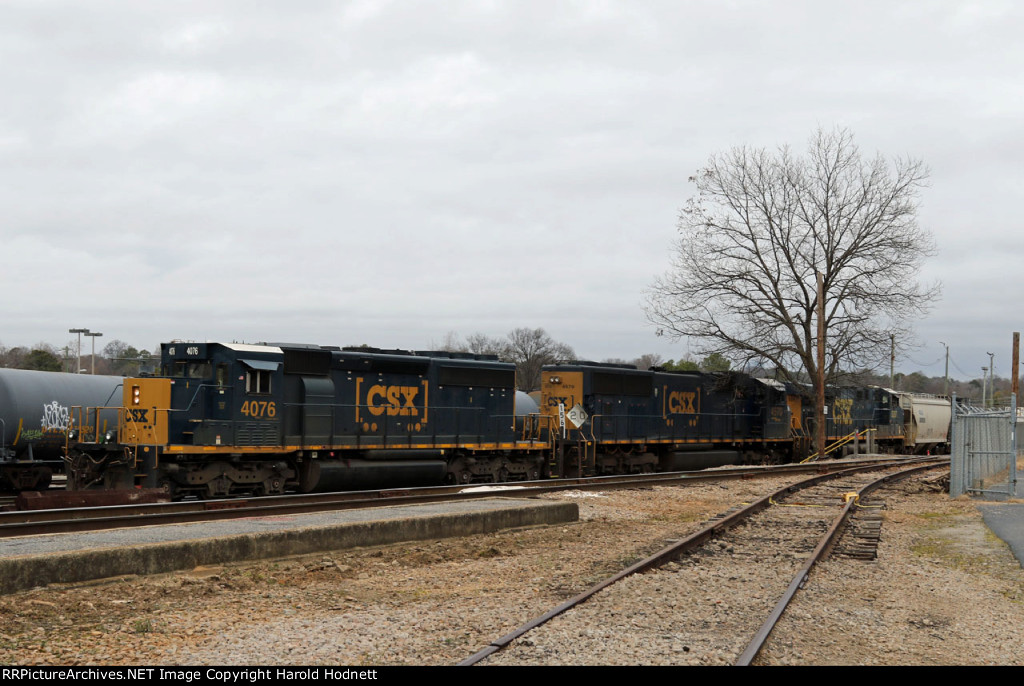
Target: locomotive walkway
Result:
[30, 561]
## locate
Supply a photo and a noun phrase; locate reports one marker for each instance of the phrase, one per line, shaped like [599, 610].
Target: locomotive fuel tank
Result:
[35, 410]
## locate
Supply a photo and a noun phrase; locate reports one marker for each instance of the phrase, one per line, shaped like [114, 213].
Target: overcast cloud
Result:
[385, 172]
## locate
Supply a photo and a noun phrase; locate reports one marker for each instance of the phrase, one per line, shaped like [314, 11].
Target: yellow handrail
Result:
[839, 443]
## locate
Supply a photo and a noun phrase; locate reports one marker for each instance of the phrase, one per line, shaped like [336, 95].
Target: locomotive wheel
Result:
[218, 488]
[171, 488]
[271, 486]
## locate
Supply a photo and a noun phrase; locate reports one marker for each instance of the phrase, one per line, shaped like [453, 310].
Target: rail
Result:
[692, 542]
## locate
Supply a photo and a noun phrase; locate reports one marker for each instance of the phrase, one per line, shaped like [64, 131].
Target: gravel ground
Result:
[942, 591]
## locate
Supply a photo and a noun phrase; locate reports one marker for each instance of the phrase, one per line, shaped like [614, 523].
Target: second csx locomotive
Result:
[607, 419]
[225, 419]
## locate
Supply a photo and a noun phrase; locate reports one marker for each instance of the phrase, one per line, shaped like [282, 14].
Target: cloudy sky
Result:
[386, 172]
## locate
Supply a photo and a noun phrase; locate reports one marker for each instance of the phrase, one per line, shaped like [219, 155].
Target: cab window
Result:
[182, 369]
[257, 381]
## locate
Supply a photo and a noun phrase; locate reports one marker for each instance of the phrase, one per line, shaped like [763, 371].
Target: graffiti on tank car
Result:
[56, 417]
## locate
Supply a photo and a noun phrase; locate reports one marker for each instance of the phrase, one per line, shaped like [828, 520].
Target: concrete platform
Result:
[30, 561]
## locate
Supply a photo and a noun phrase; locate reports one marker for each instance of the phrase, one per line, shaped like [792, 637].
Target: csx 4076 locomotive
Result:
[223, 419]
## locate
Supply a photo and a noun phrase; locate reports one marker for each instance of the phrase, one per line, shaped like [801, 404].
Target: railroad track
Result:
[78, 519]
[718, 592]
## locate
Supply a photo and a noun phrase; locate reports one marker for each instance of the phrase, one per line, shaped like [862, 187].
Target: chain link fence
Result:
[983, 442]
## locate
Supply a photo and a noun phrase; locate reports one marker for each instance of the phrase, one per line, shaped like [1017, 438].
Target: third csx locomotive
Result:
[225, 419]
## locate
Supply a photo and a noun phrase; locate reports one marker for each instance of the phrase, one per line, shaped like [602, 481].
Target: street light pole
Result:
[93, 335]
[78, 369]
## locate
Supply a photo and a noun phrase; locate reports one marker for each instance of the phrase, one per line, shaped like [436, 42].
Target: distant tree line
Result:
[117, 358]
[529, 349]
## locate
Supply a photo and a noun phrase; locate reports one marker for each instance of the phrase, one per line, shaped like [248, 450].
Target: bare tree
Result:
[124, 359]
[648, 360]
[531, 349]
[743, 278]
[482, 344]
[451, 343]
[478, 344]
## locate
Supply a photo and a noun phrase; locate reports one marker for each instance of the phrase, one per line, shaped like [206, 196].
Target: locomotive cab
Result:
[206, 395]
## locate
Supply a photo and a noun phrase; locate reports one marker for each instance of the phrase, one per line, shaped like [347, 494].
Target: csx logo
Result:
[138, 415]
[681, 402]
[843, 411]
[395, 400]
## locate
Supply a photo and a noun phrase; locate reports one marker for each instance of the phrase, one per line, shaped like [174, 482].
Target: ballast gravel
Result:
[942, 591]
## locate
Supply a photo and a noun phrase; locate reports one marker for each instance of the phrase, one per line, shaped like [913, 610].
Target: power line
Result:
[924, 364]
[953, 362]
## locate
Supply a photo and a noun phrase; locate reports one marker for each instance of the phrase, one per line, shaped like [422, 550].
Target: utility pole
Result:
[1014, 383]
[945, 387]
[820, 404]
[984, 380]
[892, 360]
[991, 379]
